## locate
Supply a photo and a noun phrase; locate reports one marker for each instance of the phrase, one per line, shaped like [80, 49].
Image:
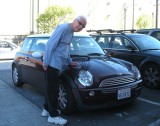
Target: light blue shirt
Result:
[56, 52]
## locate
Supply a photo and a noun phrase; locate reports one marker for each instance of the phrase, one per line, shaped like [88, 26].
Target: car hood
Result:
[153, 52]
[107, 68]
[102, 69]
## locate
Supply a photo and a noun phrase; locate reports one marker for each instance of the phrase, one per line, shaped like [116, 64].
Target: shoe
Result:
[45, 113]
[57, 120]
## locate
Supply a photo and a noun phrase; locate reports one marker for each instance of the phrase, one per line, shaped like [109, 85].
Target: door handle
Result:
[26, 58]
[111, 54]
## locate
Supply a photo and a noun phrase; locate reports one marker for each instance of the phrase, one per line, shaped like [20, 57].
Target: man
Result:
[56, 54]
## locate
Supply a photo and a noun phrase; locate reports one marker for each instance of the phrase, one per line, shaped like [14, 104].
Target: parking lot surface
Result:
[145, 111]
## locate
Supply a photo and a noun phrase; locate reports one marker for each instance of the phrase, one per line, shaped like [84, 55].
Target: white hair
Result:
[81, 17]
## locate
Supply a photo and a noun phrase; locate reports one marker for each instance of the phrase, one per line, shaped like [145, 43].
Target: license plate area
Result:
[124, 93]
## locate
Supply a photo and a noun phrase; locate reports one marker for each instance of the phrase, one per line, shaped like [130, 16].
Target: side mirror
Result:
[37, 55]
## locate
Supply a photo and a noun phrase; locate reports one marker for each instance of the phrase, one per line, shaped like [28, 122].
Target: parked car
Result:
[142, 50]
[97, 82]
[152, 32]
[7, 49]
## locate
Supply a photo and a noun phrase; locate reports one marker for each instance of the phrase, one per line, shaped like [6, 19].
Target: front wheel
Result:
[66, 99]
[151, 76]
[16, 77]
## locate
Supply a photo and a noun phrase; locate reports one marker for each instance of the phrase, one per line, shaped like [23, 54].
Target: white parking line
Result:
[157, 122]
[148, 101]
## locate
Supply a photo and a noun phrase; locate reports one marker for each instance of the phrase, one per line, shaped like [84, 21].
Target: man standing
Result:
[56, 54]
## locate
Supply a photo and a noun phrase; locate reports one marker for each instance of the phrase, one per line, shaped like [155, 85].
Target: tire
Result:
[16, 77]
[66, 101]
[151, 76]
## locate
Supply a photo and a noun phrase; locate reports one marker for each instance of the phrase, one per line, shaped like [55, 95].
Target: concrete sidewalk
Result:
[16, 110]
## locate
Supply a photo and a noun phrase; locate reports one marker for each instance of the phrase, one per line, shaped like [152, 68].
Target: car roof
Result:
[118, 34]
[151, 29]
[48, 35]
[135, 34]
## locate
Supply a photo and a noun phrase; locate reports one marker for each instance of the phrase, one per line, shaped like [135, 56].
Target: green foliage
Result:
[53, 16]
[144, 21]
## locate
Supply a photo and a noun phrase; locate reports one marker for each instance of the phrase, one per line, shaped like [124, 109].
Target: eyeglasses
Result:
[83, 26]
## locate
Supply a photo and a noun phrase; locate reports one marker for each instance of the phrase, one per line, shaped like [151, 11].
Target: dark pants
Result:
[51, 99]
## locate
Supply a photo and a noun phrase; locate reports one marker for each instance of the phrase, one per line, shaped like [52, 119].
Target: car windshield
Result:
[145, 42]
[85, 46]
[79, 46]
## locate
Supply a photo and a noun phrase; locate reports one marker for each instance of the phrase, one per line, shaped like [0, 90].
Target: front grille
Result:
[117, 81]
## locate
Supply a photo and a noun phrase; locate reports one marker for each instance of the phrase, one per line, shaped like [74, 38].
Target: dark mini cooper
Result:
[98, 81]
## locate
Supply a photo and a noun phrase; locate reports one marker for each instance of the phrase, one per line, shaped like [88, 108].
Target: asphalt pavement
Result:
[16, 110]
[18, 107]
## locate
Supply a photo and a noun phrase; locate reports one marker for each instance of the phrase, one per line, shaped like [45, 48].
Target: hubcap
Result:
[152, 77]
[62, 97]
[15, 75]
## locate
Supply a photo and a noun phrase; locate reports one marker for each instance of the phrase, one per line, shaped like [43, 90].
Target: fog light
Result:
[91, 93]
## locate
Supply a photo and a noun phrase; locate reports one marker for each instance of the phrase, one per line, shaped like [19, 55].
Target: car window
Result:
[39, 44]
[4, 44]
[145, 42]
[156, 34]
[26, 44]
[117, 43]
[143, 32]
[7, 45]
[128, 45]
[103, 41]
[84, 46]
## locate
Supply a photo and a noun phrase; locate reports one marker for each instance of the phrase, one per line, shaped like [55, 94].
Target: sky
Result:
[15, 14]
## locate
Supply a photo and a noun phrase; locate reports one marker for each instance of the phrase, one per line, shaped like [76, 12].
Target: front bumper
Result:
[103, 98]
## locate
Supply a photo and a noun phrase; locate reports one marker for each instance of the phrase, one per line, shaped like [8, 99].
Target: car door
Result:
[122, 48]
[23, 58]
[35, 65]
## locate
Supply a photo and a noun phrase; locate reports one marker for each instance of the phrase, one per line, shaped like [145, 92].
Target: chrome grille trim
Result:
[111, 90]
[117, 81]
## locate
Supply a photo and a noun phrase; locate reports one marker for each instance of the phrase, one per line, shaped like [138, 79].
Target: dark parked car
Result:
[152, 32]
[142, 50]
[97, 82]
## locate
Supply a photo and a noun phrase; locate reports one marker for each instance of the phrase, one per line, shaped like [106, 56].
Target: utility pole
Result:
[37, 15]
[32, 16]
[133, 16]
[125, 18]
[156, 13]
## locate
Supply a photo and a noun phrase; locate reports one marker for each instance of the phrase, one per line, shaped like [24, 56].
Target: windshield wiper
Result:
[97, 54]
[150, 49]
[80, 56]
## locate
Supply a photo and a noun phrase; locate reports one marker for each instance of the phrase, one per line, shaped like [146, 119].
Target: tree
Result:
[53, 16]
[144, 21]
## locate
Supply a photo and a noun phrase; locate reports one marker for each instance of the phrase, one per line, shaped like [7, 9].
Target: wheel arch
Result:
[15, 63]
[68, 79]
[148, 63]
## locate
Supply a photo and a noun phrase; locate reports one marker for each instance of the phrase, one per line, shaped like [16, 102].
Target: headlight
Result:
[85, 78]
[136, 72]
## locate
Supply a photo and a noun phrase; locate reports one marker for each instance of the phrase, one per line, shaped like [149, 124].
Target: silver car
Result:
[8, 49]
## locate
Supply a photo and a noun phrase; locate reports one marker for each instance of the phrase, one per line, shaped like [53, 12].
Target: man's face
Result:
[79, 24]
